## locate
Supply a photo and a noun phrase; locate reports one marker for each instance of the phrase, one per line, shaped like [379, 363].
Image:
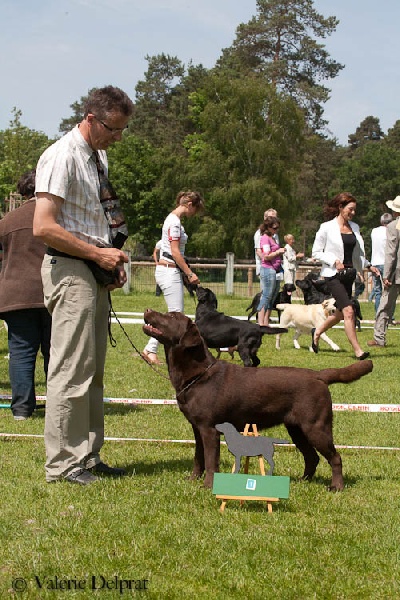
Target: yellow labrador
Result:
[305, 317]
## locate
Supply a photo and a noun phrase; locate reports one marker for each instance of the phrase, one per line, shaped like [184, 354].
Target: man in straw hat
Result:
[391, 277]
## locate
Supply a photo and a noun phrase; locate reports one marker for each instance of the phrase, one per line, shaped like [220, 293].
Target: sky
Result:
[53, 51]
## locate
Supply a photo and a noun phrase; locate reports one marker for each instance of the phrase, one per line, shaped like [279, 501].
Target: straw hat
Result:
[394, 204]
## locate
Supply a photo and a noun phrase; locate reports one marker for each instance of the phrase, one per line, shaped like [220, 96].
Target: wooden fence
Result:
[229, 277]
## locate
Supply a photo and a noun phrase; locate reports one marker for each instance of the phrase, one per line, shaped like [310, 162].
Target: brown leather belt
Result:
[164, 263]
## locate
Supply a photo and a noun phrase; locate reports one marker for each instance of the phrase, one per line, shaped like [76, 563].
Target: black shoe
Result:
[314, 346]
[81, 476]
[103, 469]
[363, 356]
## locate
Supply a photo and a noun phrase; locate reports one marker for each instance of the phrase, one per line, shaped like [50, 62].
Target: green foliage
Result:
[369, 130]
[246, 153]
[134, 173]
[20, 149]
[77, 114]
[281, 44]
[393, 136]
[321, 157]
[246, 134]
[161, 110]
[372, 174]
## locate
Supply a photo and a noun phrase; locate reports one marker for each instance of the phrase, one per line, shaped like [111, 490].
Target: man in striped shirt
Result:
[70, 220]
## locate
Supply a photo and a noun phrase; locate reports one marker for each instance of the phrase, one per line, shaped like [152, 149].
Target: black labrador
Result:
[211, 391]
[221, 331]
[314, 289]
[284, 297]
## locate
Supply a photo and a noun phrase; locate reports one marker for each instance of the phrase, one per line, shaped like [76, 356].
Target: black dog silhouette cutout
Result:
[243, 445]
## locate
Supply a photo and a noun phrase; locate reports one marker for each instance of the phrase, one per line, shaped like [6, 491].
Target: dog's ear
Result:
[191, 337]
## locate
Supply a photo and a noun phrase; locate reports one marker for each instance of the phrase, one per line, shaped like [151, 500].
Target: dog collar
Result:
[195, 380]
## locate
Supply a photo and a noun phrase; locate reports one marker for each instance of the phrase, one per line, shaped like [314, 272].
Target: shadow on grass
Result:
[115, 409]
[182, 466]
[121, 409]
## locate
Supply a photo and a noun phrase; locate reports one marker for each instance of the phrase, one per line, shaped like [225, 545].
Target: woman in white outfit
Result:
[340, 248]
[172, 262]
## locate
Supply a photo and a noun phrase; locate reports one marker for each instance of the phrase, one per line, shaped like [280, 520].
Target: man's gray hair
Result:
[386, 218]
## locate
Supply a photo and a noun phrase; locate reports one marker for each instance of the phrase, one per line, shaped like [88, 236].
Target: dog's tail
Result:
[283, 306]
[346, 374]
[272, 330]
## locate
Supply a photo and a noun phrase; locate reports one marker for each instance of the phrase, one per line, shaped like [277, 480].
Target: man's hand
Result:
[339, 265]
[375, 271]
[110, 258]
[122, 279]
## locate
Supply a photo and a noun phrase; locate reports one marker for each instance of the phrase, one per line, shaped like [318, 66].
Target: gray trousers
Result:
[385, 312]
[74, 422]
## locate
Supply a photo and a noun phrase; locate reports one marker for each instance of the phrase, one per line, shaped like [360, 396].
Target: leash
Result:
[195, 380]
[114, 343]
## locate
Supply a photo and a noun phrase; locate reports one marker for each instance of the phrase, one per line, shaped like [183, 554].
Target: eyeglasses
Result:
[274, 227]
[112, 130]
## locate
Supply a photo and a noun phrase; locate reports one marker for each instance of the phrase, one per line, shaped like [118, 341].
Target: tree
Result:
[369, 130]
[245, 154]
[372, 175]
[280, 43]
[321, 158]
[161, 110]
[134, 174]
[77, 114]
[20, 149]
[393, 136]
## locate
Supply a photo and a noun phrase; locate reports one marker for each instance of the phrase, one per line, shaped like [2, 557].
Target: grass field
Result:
[156, 529]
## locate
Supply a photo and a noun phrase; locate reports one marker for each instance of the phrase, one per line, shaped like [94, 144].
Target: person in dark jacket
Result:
[21, 300]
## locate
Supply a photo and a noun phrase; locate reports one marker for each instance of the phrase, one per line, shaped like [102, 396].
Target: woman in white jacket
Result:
[340, 248]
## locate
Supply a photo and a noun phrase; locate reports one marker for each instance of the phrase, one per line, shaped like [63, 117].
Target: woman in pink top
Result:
[271, 263]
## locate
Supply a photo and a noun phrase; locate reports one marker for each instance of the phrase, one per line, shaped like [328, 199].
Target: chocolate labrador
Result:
[211, 391]
[221, 331]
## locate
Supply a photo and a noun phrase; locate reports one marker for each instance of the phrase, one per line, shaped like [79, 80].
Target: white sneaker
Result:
[20, 418]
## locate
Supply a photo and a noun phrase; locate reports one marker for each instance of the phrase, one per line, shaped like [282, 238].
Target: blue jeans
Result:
[377, 289]
[269, 288]
[28, 331]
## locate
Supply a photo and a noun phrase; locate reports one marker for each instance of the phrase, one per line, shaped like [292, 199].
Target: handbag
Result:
[102, 276]
[346, 275]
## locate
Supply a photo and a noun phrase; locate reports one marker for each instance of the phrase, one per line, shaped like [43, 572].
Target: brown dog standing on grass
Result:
[210, 391]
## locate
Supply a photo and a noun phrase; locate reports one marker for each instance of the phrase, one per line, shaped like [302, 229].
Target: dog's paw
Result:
[194, 476]
[336, 488]
[335, 348]
[208, 482]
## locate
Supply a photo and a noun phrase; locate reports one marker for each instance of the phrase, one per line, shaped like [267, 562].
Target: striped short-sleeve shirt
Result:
[67, 169]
